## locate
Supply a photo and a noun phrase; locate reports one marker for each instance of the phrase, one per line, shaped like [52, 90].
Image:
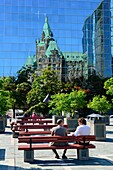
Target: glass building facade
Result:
[79, 29]
[97, 40]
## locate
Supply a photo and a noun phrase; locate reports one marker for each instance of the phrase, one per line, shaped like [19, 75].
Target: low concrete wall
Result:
[72, 123]
[55, 118]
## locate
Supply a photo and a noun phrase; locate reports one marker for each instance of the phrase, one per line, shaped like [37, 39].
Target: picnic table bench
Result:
[40, 126]
[41, 121]
[30, 118]
[19, 119]
[16, 128]
[31, 143]
[36, 132]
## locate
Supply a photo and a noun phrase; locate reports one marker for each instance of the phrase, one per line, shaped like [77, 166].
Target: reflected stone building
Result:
[70, 65]
[97, 40]
[48, 52]
[76, 26]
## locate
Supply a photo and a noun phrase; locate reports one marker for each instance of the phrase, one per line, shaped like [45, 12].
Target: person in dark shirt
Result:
[59, 130]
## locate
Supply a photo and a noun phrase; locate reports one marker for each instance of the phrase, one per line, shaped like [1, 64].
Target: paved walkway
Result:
[101, 158]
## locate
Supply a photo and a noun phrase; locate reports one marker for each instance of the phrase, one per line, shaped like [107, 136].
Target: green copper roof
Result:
[46, 29]
[30, 60]
[73, 56]
[52, 46]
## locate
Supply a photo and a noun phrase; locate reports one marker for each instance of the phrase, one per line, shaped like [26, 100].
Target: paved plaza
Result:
[11, 158]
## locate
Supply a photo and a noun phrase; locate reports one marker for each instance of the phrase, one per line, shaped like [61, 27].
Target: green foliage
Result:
[108, 85]
[21, 91]
[1, 82]
[59, 102]
[5, 101]
[23, 87]
[9, 83]
[23, 74]
[67, 102]
[77, 100]
[17, 90]
[100, 104]
[95, 84]
[47, 83]
[38, 108]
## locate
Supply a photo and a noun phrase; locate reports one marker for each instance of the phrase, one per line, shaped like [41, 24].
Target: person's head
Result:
[81, 121]
[60, 122]
[34, 113]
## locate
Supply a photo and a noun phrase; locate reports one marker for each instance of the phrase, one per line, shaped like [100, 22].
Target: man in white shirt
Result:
[82, 129]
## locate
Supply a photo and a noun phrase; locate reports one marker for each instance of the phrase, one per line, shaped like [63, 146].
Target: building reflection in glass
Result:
[97, 40]
[80, 30]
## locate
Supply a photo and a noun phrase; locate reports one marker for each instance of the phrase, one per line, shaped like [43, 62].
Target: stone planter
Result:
[55, 118]
[98, 128]
[72, 123]
[5, 120]
[2, 124]
[107, 120]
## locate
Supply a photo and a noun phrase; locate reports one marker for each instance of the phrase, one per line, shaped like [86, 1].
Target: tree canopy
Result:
[108, 85]
[46, 83]
[5, 102]
[67, 102]
[100, 104]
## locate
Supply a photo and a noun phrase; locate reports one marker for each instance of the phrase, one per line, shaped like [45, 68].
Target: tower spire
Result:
[47, 30]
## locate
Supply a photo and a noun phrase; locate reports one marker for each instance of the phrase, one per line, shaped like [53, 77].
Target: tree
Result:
[59, 102]
[22, 89]
[47, 83]
[24, 75]
[95, 85]
[77, 100]
[108, 85]
[18, 91]
[99, 104]
[67, 102]
[5, 102]
[9, 84]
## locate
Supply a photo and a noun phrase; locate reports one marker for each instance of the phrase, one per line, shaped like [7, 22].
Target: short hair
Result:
[82, 120]
[59, 121]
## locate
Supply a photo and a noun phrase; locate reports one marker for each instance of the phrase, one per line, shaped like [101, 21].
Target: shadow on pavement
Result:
[8, 126]
[5, 167]
[7, 133]
[109, 139]
[109, 132]
[2, 154]
[94, 161]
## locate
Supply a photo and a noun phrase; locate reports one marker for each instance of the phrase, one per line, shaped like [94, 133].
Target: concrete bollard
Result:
[29, 156]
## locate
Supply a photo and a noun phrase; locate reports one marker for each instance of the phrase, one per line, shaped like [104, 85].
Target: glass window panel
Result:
[76, 26]
[21, 9]
[2, 2]
[2, 9]
[2, 16]
[9, 2]
[22, 2]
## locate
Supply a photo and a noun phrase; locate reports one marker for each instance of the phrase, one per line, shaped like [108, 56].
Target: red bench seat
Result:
[31, 143]
[46, 146]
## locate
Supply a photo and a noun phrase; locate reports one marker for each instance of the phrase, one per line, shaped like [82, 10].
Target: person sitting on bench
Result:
[59, 131]
[82, 129]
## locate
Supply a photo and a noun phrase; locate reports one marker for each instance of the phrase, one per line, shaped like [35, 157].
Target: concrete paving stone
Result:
[101, 158]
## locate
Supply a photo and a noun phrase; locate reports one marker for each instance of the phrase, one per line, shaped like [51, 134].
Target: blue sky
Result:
[21, 23]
